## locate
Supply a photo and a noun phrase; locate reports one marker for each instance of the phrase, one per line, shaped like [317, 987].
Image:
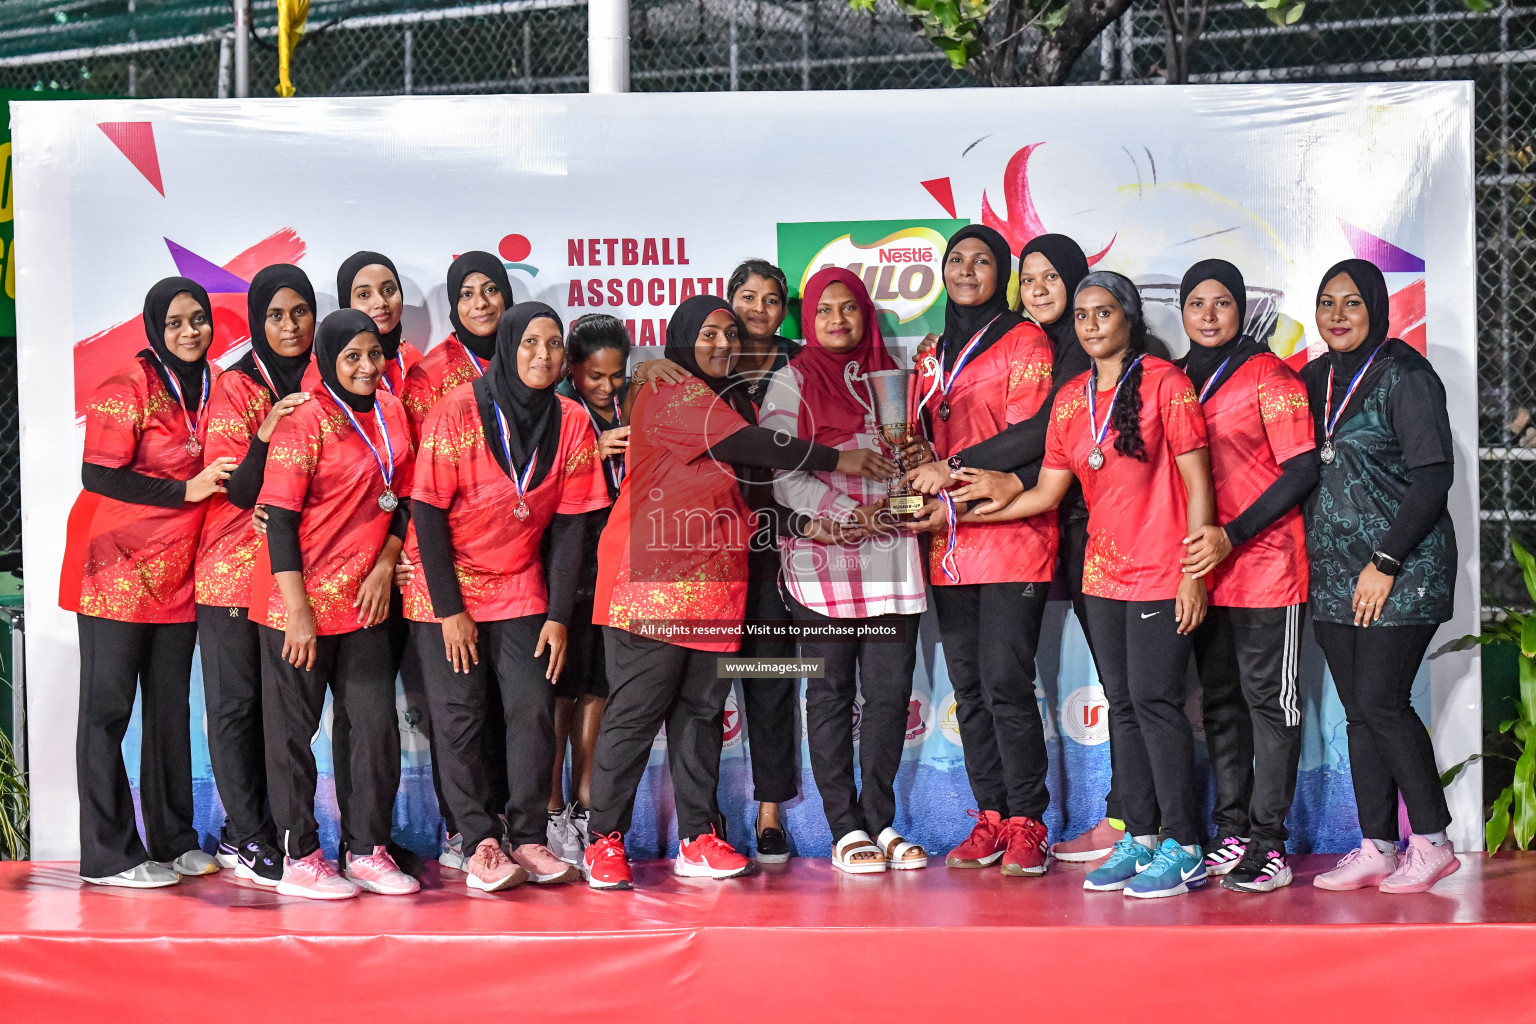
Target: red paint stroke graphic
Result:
[136, 141]
[942, 191]
[1406, 320]
[1023, 223]
[103, 353]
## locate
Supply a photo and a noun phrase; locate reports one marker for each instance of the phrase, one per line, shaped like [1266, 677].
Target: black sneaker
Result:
[227, 856]
[1222, 856]
[772, 846]
[260, 862]
[1262, 869]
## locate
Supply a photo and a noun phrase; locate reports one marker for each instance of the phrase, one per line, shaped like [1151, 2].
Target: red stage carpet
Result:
[801, 943]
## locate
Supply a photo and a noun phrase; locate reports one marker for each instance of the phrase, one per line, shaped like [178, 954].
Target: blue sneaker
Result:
[1126, 861]
[1172, 873]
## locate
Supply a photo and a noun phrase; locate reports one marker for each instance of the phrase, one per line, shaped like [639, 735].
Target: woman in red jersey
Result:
[127, 573]
[1264, 463]
[991, 369]
[503, 460]
[338, 473]
[1147, 490]
[672, 588]
[249, 400]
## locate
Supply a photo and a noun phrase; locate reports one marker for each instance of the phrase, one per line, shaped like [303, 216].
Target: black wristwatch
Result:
[1385, 563]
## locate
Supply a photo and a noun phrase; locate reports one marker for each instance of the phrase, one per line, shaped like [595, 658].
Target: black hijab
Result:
[189, 376]
[1071, 266]
[1372, 287]
[333, 334]
[1203, 361]
[533, 414]
[682, 334]
[348, 273]
[476, 262]
[962, 322]
[287, 371]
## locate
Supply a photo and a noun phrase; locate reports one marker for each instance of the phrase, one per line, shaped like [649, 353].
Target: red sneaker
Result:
[1095, 844]
[709, 856]
[605, 863]
[983, 846]
[1024, 842]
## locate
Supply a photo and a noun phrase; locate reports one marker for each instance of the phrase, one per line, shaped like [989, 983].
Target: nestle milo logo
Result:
[900, 262]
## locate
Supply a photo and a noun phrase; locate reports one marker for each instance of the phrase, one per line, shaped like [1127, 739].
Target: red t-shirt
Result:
[672, 561]
[319, 467]
[236, 410]
[1137, 511]
[447, 365]
[1257, 419]
[495, 554]
[122, 561]
[1006, 384]
[394, 370]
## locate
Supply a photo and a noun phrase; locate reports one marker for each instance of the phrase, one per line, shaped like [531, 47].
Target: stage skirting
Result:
[791, 944]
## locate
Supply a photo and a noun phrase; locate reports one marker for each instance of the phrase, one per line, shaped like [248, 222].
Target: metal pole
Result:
[608, 46]
[735, 51]
[225, 57]
[133, 65]
[1127, 45]
[409, 38]
[242, 48]
[1107, 53]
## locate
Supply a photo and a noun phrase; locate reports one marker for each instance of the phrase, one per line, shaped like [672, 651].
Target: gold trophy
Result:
[884, 396]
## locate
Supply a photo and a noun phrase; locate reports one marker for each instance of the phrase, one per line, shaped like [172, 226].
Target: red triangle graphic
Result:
[136, 140]
[941, 190]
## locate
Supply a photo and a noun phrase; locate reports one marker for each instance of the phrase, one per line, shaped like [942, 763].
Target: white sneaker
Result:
[563, 839]
[378, 872]
[453, 853]
[314, 878]
[149, 875]
[194, 862]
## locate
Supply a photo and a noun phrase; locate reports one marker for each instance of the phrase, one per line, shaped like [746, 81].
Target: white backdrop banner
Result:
[629, 204]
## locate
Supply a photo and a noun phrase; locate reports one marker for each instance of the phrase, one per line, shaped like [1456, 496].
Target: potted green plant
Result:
[15, 809]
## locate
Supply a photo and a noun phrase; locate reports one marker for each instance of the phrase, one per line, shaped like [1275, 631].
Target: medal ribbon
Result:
[521, 483]
[386, 464]
[181, 401]
[474, 361]
[1211, 384]
[951, 570]
[615, 470]
[1331, 418]
[1098, 432]
[946, 382]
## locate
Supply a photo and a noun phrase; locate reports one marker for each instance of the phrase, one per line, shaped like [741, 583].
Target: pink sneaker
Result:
[1422, 866]
[314, 878]
[1094, 844]
[1359, 869]
[543, 867]
[491, 869]
[378, 872]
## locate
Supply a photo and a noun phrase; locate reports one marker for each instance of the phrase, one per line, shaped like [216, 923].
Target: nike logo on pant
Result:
[1148, 615]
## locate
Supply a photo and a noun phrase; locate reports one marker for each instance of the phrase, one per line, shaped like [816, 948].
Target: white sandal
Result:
[854, 842]
[902, 855]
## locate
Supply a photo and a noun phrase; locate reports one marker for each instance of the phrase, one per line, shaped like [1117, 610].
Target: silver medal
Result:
[1096, 458]
[387, 501]
[1327, 454]
[521, 510]
[194, 447]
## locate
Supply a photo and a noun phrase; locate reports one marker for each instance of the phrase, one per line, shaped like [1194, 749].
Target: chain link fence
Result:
[175, 48]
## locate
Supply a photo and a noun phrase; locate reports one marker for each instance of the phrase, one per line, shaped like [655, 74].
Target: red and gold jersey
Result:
[122, 561]
[443, 368]
[395, 370]
[495, 554]
[236, 409]
[1006, 384]
[1137, 511]
[319, 467]
[672, 561]
[1257, 419]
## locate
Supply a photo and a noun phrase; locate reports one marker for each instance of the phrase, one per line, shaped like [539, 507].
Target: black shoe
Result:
[772, 846]
[259, 862]
[1262, 869]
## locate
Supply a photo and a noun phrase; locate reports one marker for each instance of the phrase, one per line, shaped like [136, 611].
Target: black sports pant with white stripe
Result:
[1247, 659]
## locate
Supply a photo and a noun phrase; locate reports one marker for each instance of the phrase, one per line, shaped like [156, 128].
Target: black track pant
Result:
[356, 668]
[990, 632]
[230, 645]
[117, 658]
[652, 683]
[1247, 659]
[460, 716]
[883, 671]
[1389, 748]
[1143, 661]
[770, 703]
[1071, 550]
